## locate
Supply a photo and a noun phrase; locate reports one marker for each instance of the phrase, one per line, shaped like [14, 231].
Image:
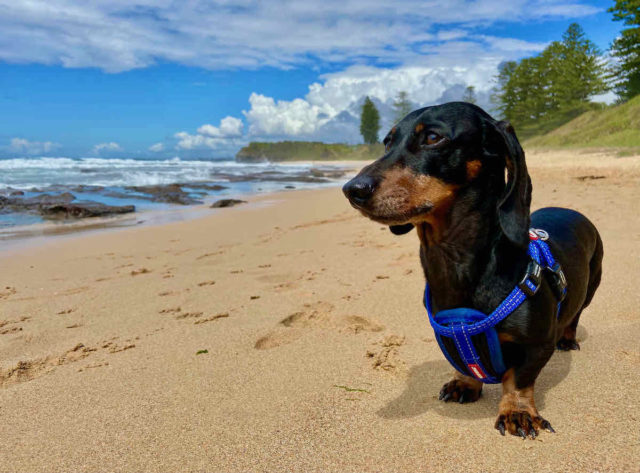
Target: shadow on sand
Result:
[425, 380]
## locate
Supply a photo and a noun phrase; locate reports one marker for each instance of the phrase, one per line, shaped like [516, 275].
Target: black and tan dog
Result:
[443, 172]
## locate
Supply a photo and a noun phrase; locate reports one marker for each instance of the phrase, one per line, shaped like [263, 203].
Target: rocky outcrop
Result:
[83, 210]
[168, 193]
[227, 203]
[60, 206]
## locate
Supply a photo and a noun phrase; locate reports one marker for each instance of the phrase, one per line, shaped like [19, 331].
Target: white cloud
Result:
[228, 133]
[339, 97]
[118, 35]
[107, 147]
[22, 145]
[156, 148]
[229, 127]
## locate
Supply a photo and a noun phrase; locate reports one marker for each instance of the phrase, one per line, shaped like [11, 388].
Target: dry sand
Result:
[320, 356]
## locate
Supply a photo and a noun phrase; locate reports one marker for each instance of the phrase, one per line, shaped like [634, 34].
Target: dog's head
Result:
[433, 158]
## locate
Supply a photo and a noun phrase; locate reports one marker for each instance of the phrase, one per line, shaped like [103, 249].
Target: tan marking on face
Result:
[419, 127]
[408, 197]
[403, 193]
[473, 169]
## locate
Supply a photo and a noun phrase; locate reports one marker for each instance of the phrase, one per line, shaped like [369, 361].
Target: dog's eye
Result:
[433, 138]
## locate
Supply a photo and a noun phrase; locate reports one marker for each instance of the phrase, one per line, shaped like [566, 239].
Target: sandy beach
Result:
[288, 334]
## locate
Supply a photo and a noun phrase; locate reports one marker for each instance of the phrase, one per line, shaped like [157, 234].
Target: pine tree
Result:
[402, 106]
[469, 94]
[627, 48]
[546, 90]
[369, 122]
[576, 68]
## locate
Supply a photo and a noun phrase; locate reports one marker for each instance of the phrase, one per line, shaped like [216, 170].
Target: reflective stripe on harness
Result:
[468, 337]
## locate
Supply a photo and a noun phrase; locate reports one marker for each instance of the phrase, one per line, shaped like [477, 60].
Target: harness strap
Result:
[460, 330]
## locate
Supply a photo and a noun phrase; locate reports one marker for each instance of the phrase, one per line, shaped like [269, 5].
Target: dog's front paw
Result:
[461, 389]
[565, 344]
[522, 423]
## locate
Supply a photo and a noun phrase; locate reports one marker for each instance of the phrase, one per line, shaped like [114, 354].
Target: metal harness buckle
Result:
[533, 275]
[559, 281]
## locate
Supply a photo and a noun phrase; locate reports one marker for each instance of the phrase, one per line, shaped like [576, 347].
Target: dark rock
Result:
[289, 187]
[45, 199]
[329, 173]
[227, 203]
[86, 188]
[60, 206]
[203, 185]
[16, 193]
[169, 193]
[83, 210]
[19, 204]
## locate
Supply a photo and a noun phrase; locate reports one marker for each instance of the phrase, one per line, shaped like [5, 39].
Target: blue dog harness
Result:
[468, 337]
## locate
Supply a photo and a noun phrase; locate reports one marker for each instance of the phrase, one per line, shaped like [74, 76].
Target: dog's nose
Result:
[359, 189]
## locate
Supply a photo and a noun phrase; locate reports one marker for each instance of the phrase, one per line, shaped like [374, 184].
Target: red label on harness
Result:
[533, 235]
[477, 372]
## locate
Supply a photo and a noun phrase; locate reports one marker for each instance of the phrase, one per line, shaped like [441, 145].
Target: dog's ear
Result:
[513, 207]
[401, 229]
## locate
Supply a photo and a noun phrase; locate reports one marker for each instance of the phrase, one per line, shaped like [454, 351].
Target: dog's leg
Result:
[568, 340]
[517, 413]
[461, 389]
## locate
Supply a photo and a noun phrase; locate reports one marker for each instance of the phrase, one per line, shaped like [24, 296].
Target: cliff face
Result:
[280, 151]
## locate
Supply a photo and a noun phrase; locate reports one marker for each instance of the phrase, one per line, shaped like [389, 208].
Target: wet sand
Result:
[289, 335]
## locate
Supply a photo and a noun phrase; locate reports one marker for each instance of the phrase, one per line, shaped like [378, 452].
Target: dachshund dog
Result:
[443, 173]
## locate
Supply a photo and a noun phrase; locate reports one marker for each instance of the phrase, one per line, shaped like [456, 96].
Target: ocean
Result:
[148, 184]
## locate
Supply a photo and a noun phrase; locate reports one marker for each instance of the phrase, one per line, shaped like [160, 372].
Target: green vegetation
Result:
[627, 49]
[543, 92]
[202, 352]
[617, 126]
[469, 95]
[402, 106]
[351, 390]
[369, 122]
[307, 151]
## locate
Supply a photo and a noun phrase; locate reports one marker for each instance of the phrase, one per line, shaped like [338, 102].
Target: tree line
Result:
[540, 93]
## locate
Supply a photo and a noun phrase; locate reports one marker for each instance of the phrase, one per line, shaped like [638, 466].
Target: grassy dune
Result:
[307, 151]
[616, 127]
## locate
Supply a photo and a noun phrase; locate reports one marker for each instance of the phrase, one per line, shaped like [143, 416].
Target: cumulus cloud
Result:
[156, 148]
[24, 146]
[228, 133]
[118, 35]
[331, 109]
[107, 147]
[229, 127]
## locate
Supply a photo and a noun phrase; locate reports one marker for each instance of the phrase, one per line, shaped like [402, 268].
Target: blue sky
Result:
[160, 78]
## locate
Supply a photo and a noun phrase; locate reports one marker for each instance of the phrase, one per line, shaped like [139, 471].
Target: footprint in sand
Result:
[173, 310]
[7, 292]
[72, 291]
[384, 354]
[8, 327]
[31, 369]
[189, 315]
[206, 283]
[317, 316]
[212, 318]
[137, 272]
[207, 255]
